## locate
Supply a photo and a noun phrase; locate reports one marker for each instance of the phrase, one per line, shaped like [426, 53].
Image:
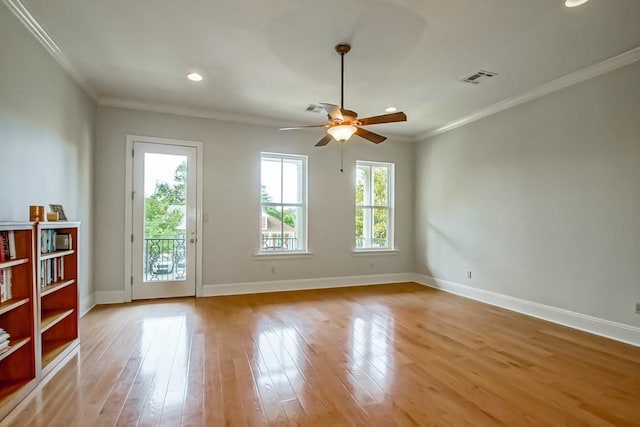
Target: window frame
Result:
[303, 230]
[390, 207]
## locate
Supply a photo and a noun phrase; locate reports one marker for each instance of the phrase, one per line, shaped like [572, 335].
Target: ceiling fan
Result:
[344, 123]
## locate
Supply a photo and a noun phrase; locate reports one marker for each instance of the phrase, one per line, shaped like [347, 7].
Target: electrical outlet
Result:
[638, 307]
[468, 275]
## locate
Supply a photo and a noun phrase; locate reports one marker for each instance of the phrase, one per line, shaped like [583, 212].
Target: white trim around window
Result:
[283, 204]
[374, 207]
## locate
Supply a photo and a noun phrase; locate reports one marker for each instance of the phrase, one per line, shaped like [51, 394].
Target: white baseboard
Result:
[87, 303]
[606, 328]
[110, 297]
[242, 288]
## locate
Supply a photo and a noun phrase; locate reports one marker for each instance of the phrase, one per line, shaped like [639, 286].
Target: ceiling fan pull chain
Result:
[341, 157]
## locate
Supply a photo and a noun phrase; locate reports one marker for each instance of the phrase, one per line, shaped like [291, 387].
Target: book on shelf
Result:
[52, 240]
[4, 341]
[4, 246]
[7, 245]
[51, 271]
[6, 285]
[46, 241]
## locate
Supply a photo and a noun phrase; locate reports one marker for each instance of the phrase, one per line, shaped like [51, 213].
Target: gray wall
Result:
[542, 201]
[232, 195]
[46, 137]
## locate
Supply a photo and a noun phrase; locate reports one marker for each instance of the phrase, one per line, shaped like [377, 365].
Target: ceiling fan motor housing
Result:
[343, 48]
[348, 117]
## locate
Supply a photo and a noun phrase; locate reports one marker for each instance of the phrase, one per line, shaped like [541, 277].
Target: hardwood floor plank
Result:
[172, 327]
[194, 403]
[213, 409]
[392, 355]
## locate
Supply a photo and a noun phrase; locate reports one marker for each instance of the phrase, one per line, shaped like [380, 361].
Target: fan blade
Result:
[304, 127]
[373, 137]
[324, 141]
[333, 111]
[385, 118]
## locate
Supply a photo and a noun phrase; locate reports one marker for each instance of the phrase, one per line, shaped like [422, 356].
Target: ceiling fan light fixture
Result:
[391, 109]
[574, 3]
[195, 77]
[342, 133]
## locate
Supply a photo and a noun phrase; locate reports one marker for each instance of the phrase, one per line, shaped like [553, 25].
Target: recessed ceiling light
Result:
[391, 109]
[195, 77]
[574, 3]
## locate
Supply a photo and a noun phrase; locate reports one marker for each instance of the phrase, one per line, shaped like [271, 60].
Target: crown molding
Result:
[595, 70]
[181, 110]
[30, 23]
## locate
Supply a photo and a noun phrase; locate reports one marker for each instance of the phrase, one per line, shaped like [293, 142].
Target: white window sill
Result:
[368, 252]
[282, 255]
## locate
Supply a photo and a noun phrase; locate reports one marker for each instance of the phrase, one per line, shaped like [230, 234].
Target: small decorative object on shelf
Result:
[59, 210]
[36, 213]
[52, 216]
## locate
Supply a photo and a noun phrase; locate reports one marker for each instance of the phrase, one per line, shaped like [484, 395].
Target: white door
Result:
[164, 220]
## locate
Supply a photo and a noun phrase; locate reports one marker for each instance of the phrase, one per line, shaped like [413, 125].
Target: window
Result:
[374, 205]
[283, 199]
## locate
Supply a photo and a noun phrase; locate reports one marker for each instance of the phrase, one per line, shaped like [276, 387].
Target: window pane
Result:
[380, 233]
[380, 186]
[361, 184]
[292, 172]
[272, 228]
[271, 179]
[293, 226]
[164, 217]
[360, 236]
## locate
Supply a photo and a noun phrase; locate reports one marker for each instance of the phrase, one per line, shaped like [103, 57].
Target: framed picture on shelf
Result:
[59, 210]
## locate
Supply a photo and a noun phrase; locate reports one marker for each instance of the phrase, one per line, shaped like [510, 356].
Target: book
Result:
[5, 285]
[4, 346]
[4, 337]
[5, 252]
[2, 287]
[47, 241]
[12, 245]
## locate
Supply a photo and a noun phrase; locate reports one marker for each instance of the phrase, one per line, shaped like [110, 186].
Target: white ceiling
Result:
[267, 60]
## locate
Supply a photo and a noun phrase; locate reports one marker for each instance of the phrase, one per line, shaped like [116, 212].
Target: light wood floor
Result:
[368, 356]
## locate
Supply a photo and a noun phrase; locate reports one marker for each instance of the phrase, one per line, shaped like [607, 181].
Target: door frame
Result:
[128, 206]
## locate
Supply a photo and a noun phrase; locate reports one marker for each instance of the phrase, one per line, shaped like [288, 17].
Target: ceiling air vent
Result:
[312, 108]
[479, 76]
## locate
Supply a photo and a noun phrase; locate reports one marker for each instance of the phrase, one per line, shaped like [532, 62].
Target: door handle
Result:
[192, 240]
